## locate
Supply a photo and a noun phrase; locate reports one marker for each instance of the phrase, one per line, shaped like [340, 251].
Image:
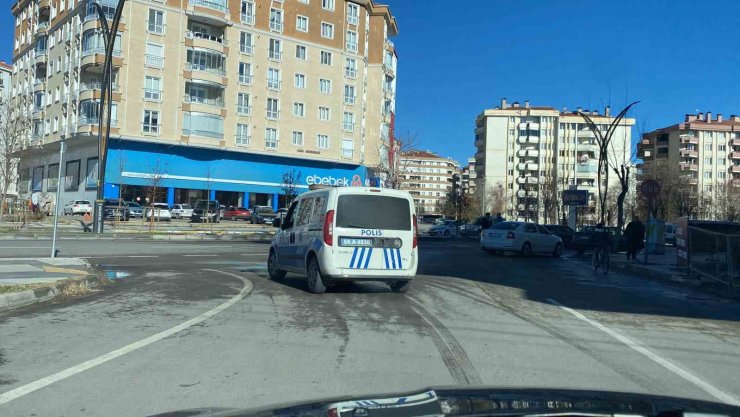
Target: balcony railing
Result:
[687, 166]
[245, 79]
[587, 168]
[350, 72]
[349, 100]
[689, 139]
[153, 61]
[42, 25]
[216, 102]
[276, 25]
[244, 110]
[152, 94]
[211, 5]
[273, 114]
[275, 54]
[246, 48]
[248, 18]
[199, 35]
[273, 84]
[100, 50]
[84, 121]
[242, 139]
[734, 168]
[206, 133]
[688, 153]
[197, 67]
[735, 155]
[348, 126]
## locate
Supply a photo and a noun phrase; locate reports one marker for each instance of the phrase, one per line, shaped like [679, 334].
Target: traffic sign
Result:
[650, 188]
[575, 198]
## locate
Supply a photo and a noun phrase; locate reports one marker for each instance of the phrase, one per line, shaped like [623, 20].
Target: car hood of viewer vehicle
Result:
[482, 401]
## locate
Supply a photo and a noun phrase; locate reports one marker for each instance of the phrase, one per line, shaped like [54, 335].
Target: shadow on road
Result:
[573, 284]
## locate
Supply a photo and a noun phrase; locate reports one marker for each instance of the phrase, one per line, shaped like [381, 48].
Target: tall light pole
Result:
[62, 144]
[106, 103]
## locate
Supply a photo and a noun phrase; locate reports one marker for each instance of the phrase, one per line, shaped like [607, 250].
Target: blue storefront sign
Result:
[139, 163]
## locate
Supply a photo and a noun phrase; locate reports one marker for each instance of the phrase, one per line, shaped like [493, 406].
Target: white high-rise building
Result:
[536, 152]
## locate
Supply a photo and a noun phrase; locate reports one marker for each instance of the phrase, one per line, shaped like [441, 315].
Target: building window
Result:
[154, 55]
[708, 188]
[299, 109]
[348, 122]
[324, 114]
[322, 141]
[55, 124]
[156, 21]
[708, 147]
[37, 178]
[91, 177]
[242, 134]
[276, 51]
[53, 177]
[326, 57]
[276, 20]
[351, 41]
[271, 138]
[152, 88]
[300, 52]
[245, 73]
[707, 174]
[721, 148]
[273, 79]
[273, 108]
[297, 138]
[325, 86]
[327, 4]
[350, 67]
[151, 121]
[721, 161]
[300, 81]
[327, 30]
[353, 14]
[301, 23]
[247, 12]
[348, 148]
[72, 175]
[242, 104]
[720, 175]
[707, 161]
[349, 94]
[246, 44]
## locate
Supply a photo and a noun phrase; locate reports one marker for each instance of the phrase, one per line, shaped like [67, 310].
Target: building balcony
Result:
[276, 25]
[523, 194]
[587, 168]
[388, 69]
[92, 90]
[247, 18]
[203, 133]
[734, 169]
[44, 4]
[646, 142]
[527, 180]
[39, 85]
[585, 133]
[588, 147]
[480, 156]
[95, 57]
[89, 126]
[40, 58]
[734, 155]
[210, 11]
[42, 27]
[528, 139]
[689, 139]
[213, 105]
[479, 143]
[527, 167]
[736, 142]
[202, 40]
[693, 181]
[688, 153]
[528, 153]
[201, 72]
[688, 166]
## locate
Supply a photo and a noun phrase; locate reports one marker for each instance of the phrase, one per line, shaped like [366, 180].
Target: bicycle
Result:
[600, 259]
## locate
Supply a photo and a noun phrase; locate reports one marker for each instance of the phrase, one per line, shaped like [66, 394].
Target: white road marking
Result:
[14, 394]
[121, 256]
[24, 247]
[200, 256]
[639, 347]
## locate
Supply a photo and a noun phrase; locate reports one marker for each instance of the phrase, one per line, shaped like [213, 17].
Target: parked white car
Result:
[520, 237]
[181, 210]
[446, 228]
[160, 211]
[78, 207]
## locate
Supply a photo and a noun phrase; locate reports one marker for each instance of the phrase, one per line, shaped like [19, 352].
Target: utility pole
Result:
[62, 144]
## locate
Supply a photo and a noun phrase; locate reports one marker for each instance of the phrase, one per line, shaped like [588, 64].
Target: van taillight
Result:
[416, 234]
[510, 235]
[329, 228]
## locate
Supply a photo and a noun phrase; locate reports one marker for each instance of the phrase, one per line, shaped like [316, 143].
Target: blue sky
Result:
[458, 58]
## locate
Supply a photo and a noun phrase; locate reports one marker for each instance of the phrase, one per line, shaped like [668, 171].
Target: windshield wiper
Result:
[357, 226]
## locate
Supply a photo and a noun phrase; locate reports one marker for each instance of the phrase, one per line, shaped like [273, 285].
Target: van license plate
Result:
[352, 241]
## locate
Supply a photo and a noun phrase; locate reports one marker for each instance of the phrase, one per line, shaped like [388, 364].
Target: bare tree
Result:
[496, 199]
[550, 197]
[392, 167]
[14, 132]
[620, 160]
[289, 185]
[154, 187]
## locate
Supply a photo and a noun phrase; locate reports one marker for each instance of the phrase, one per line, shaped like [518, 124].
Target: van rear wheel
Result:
[400, 286]
[315, 282]
[272, 267]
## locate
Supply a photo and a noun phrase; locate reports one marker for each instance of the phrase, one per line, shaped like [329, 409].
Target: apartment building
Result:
[536, 152]
[5, 80]
[212, 98]
[704, 148]
[428, 177]
[468, 177]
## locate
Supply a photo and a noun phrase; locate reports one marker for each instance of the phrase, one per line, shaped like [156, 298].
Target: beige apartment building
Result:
[212, 98]
[704, 149]
[469, 178]
[536, 152]
[428, 177]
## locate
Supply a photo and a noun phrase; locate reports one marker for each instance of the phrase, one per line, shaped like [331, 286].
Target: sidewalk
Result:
[26, 281]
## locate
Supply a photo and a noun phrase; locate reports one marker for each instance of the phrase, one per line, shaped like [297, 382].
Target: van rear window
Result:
[373, 212]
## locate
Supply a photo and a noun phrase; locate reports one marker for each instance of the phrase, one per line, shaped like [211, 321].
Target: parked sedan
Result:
[237, 213]
[446, 228]
[181, 210]
[135, 209]
[520, 237]
[563, 232]
[78, 207]
[160, 212]
[262, 215]
[583, 240]
[116, 209]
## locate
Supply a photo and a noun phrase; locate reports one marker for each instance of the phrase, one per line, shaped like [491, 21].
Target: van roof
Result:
[388, 192]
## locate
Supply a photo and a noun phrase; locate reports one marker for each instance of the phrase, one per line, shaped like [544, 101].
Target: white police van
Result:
[348, 234]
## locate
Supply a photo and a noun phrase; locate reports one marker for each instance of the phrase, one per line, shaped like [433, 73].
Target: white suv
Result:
[78, 207]
[348, 234]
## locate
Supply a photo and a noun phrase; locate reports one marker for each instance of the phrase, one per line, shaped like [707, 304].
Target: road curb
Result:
[14, 300]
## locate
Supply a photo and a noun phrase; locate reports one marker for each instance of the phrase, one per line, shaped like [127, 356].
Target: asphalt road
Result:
[179, 331]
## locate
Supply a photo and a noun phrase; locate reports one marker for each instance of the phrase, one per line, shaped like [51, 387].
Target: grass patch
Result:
[4, 289]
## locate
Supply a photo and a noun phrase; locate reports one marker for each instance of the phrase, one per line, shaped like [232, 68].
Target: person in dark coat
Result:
[634, 233]
[487, 221]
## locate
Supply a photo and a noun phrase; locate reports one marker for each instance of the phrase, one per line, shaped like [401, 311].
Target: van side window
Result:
[319, 209]
[290, 216]
[304, 212]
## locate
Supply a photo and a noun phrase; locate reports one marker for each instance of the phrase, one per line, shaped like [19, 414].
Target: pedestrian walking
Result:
[487, 221]
[499, 218]
[634, 233]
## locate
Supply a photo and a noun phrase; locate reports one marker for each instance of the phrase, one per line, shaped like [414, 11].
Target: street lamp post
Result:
[105, 106]
[62, 143]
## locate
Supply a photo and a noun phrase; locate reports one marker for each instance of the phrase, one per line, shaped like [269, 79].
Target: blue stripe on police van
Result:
[398, 253]
[354, 255]
[359, 261]
[369, 255]
[393, 258]
[385, 258]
